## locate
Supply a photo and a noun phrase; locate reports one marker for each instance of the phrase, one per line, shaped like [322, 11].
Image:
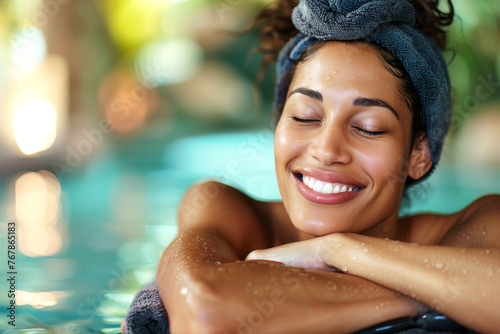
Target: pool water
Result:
[89, 240]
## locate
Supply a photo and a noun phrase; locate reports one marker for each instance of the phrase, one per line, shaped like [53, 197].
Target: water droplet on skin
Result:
[344, 267]
[365, 250]
[331, 286]
[483, 233]
[487, 251]
[184, 290]
[217, 262]
[328, 78]
[354, 258]
[489, 272]
[377, 307]
[439, 265]
[255, 292]
[249, 284]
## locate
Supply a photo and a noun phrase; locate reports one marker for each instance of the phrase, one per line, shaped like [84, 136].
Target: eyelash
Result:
[303, 120]
[361, 130]
[369, 133]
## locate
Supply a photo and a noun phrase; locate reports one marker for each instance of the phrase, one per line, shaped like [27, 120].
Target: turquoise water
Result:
[113, 219]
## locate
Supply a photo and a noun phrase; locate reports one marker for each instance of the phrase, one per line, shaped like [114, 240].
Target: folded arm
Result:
[457, 276]
[206, 289]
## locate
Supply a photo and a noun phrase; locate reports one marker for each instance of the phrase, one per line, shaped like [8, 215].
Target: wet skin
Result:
[345, 122]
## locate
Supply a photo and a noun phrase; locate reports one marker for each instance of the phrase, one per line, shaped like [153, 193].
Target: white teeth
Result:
[318, 186]
[324, 187]
[328, 188]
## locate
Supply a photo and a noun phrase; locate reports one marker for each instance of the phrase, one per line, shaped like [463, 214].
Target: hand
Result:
[304, 254]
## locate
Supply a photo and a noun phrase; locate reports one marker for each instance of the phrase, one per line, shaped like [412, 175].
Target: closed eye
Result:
[303, 120]
[369, 133]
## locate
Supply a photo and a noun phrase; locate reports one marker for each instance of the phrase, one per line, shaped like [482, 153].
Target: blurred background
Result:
[111, 109]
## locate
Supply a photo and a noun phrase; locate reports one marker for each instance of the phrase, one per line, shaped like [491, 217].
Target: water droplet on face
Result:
[343, 267]
[184, 290]
[465, 271]
[217, 262]
[255, 292]
[354, 258]
[487, 251]
[439, 265]
[328, 78]
[483, 233]
[365, 250]
[489, 272]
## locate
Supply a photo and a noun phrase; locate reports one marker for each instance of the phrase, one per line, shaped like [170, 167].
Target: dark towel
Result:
[146, 314]
[388, 23]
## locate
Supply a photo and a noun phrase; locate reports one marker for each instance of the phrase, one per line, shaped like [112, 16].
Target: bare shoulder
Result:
[464, 228]
[478, 225]
[244, 221]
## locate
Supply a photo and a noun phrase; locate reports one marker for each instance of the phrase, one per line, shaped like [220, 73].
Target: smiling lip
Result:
[327, 177]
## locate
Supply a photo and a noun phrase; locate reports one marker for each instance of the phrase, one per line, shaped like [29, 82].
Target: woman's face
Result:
[342, 143]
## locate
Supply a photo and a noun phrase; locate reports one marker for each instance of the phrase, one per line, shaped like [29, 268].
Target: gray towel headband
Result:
[388, 23]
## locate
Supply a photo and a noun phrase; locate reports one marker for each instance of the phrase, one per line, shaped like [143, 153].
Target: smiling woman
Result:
[363, 102]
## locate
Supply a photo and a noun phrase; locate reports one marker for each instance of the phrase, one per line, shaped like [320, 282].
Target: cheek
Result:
[386, 164]
[286, 145]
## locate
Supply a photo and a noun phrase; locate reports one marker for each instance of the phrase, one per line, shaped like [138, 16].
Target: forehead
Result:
[347, 66]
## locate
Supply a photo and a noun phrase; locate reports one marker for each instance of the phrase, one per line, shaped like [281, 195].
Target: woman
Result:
[363, 100]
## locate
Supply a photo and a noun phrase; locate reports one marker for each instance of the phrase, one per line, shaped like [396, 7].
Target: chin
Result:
[316, 228]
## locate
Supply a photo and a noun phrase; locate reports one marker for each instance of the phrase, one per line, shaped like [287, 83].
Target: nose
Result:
[330, 145]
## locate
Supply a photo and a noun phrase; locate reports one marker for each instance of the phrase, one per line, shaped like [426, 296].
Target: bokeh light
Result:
[39, 299]
[28, 48]
[35, 126]
[168, 62]
[38, 210]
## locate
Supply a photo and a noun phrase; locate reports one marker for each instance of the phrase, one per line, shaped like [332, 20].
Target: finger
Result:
[266, 262]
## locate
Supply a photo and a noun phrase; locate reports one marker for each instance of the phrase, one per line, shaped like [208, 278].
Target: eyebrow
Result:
[367, 102]
[308, 92]
[359, 101]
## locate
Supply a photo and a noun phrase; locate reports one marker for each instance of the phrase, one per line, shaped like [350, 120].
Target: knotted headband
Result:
[388, 23]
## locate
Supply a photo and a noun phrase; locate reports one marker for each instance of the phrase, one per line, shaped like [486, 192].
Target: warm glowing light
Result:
[37, 209]
[40, 241]
[125, 102]
[39, 299]
[35, 126]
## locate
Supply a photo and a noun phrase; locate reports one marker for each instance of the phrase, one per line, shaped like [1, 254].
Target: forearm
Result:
[461, 283]
[181, 267]
[200, 279]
